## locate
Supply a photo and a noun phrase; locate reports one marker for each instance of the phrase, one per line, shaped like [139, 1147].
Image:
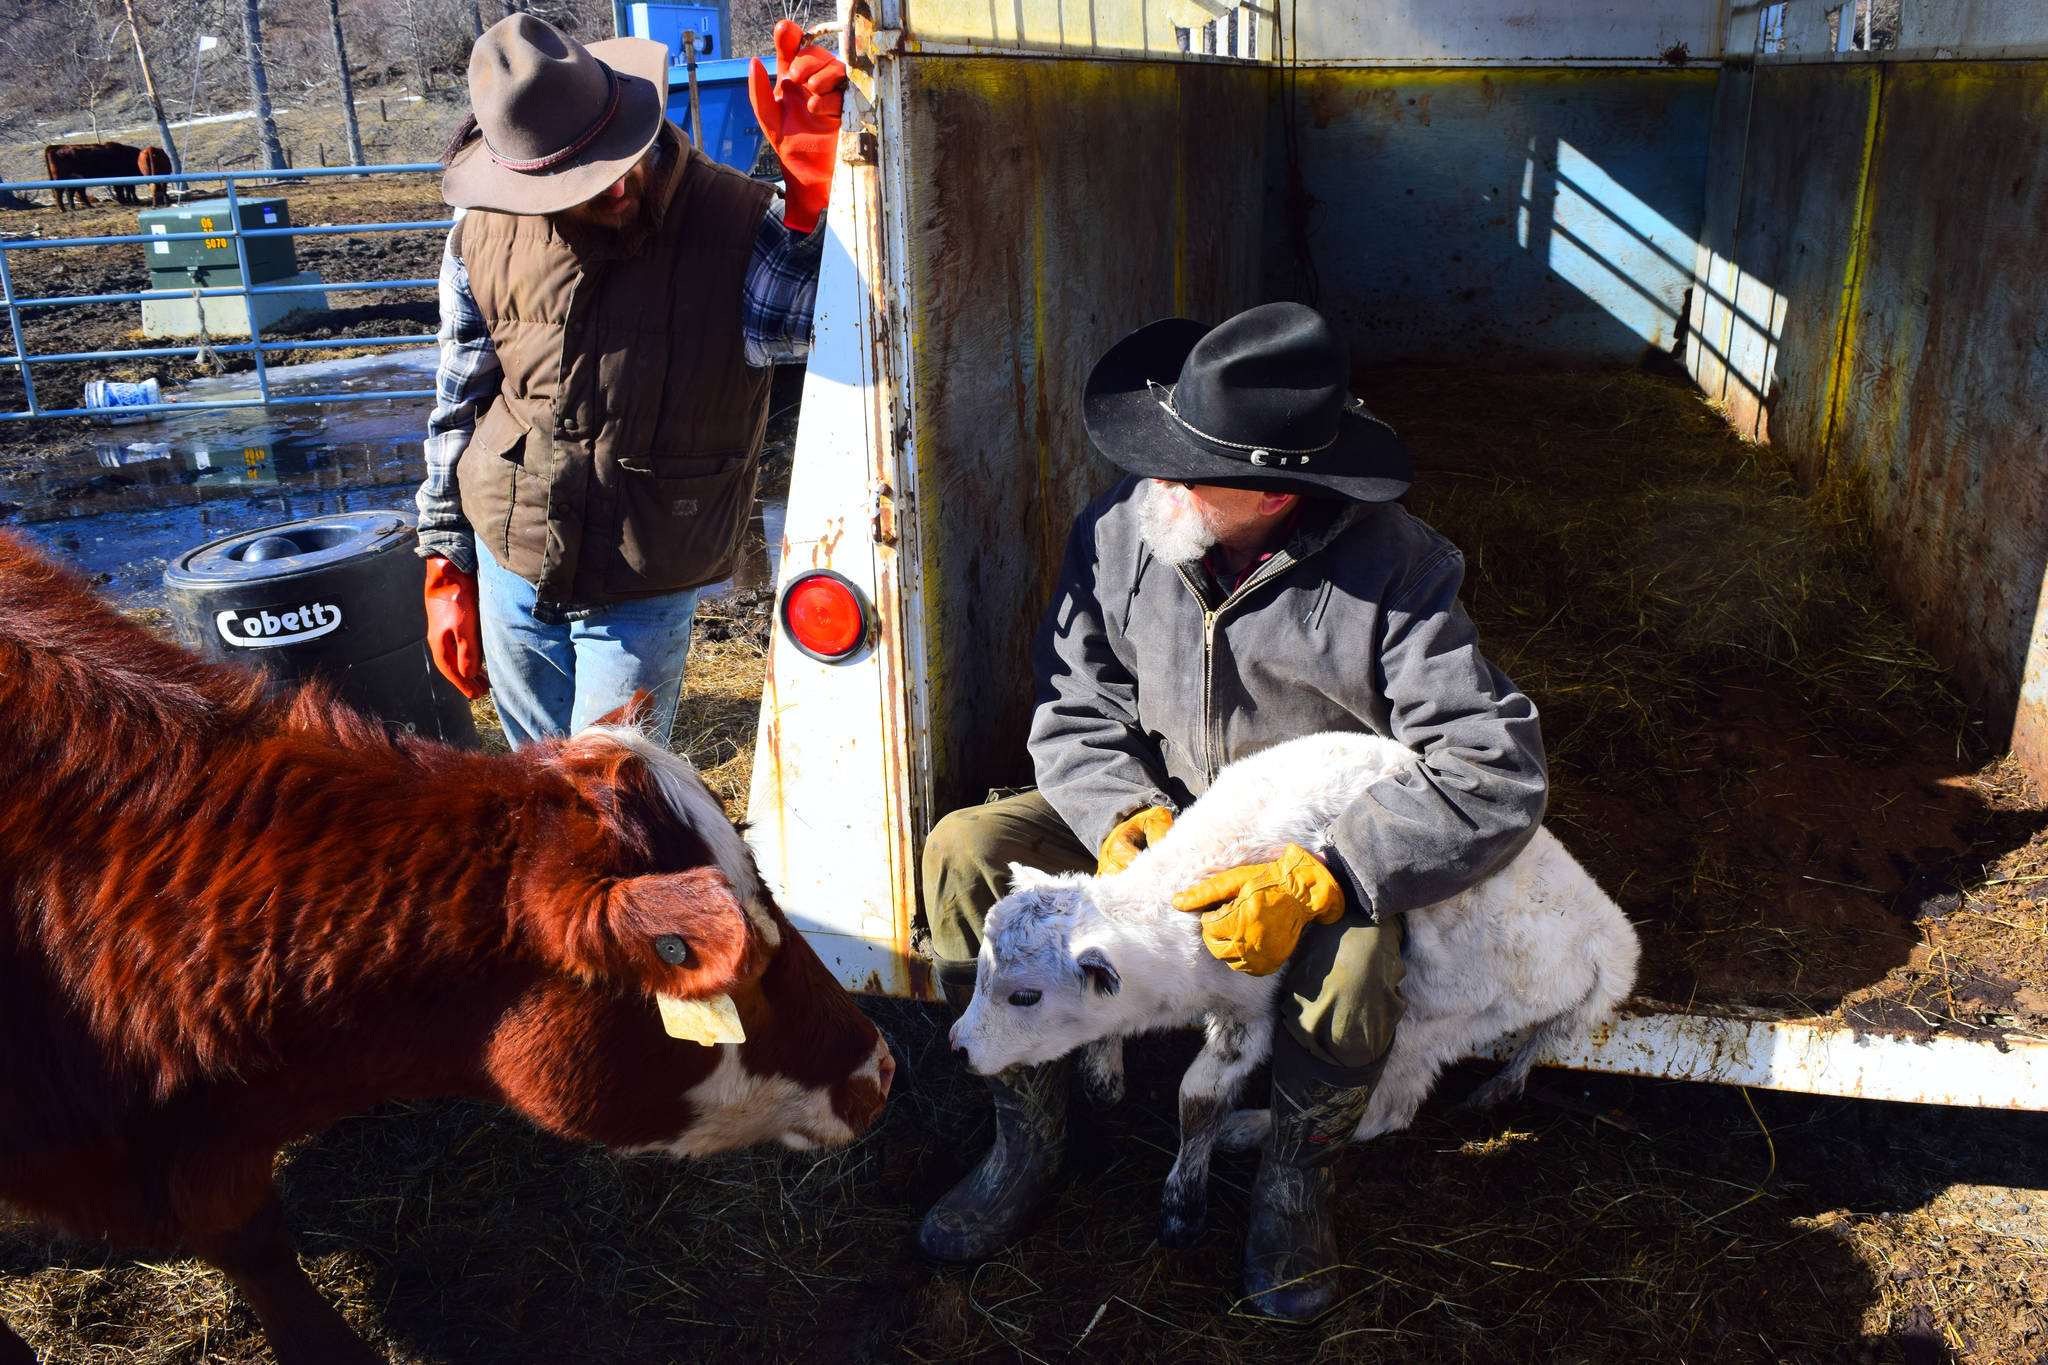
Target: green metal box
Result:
[270, 258]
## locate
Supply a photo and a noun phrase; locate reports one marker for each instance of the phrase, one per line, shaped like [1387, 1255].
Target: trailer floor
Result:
[1746, 746]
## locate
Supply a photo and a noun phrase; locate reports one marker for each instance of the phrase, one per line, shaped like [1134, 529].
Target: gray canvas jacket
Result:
[1148, 684]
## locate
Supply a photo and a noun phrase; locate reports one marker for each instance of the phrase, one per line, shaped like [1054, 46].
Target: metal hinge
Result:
[882, 513]
[862, 44]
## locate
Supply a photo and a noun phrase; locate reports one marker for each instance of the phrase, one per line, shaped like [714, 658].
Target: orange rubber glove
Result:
[455, 631]
[1253, 915]
[798, 111]
[1136, 834]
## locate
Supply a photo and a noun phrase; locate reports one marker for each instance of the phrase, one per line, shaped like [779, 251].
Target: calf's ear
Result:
[1100, 971]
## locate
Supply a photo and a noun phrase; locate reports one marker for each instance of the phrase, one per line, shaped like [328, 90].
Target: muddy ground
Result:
[1789, 828]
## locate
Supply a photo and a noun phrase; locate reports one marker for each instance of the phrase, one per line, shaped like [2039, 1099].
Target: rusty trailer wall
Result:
[1871, 301]
[1051, 206]
[1494, 217]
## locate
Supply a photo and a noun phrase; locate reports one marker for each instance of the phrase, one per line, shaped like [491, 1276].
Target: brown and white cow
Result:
[92, 162]
[155, 161]
[228, 918]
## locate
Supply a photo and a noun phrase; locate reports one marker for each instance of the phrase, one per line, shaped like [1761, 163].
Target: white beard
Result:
[1175, 526]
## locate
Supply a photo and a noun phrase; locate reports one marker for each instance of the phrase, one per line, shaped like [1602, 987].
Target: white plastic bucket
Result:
[110, 396]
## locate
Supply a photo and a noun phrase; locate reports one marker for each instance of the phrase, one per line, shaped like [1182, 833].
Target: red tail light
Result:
[825, 615]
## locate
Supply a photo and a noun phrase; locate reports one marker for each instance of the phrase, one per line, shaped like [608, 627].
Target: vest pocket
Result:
[505, 502]
[680, 520]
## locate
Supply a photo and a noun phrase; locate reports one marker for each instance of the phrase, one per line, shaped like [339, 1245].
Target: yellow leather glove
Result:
[1253, 915]
[1133, 837]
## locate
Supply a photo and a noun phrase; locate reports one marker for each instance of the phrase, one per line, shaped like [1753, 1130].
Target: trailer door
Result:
[1013, 194]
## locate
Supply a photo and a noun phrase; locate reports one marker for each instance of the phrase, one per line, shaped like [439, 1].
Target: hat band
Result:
[1261, 455]
[589, 134]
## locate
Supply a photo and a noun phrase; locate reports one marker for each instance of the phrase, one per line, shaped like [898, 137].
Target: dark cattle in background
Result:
[155, 161]
[92, 161]
[229, 917]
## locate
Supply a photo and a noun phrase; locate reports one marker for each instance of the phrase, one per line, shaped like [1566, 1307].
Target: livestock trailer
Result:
[1828, 215]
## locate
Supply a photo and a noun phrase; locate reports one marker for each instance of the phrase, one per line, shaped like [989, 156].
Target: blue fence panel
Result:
[23, 359]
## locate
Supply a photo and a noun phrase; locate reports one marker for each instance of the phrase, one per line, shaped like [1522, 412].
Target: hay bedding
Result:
[1744, 746]
[1745, 743]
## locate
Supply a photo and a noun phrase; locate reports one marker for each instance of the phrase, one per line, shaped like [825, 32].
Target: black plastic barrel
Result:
[337, 597]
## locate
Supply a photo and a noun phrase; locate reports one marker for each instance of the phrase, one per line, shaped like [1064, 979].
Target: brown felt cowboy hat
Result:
[556, 122]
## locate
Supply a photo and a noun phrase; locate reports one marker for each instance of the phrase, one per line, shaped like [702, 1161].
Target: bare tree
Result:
[259, 85]
[417, 18]
[156, 106]
[348, 89]
[87, 62]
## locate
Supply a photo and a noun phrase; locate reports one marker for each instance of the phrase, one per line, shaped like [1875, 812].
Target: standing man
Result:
[1255, 581]
[612, 302]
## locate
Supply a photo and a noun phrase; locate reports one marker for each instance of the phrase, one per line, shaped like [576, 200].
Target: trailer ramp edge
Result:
[1821, 1056]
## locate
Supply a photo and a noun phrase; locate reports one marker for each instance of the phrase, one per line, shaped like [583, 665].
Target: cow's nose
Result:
[886, 1073]
[953, 1036]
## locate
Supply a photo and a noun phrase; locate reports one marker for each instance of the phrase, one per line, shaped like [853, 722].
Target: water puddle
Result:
[120, 506]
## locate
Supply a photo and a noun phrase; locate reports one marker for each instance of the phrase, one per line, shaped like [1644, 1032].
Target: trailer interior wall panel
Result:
[1506, 31]
[1896, 212]
[1769, 274]
[1051, 206]
[1494, 217]
[1085, 27]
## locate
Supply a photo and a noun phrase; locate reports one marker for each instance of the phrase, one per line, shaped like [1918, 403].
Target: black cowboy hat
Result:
[1259, 401]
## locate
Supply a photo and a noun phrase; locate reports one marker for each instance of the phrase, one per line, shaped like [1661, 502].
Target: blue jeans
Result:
[556, 679]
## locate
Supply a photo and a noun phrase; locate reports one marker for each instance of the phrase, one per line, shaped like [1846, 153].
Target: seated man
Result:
[1253, 582]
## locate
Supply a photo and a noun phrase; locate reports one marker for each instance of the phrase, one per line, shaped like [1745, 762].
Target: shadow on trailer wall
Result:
[1891, 214]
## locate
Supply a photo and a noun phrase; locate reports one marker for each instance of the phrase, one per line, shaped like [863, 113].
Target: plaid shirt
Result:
[775, 325]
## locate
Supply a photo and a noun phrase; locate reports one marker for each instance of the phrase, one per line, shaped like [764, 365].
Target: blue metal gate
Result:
[255, 347]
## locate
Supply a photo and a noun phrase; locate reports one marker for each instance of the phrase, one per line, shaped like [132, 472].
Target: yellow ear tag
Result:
[708, 1022]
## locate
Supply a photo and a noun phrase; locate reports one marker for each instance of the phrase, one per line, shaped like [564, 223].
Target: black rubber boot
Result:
[993, 1202]
[1290, 1247]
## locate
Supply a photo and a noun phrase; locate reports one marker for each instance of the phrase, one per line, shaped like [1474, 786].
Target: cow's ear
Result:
[633, 712]
[682, 933]
[686, 931]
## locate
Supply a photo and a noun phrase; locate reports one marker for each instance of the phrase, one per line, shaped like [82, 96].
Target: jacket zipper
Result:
[1208, 672]
[1210, 616]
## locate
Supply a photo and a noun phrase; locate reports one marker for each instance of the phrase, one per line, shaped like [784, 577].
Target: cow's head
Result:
[1039, 991]
[681, 1012]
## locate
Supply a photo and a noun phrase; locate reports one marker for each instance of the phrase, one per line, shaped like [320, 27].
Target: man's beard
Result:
[620, 239]
[1178, 528]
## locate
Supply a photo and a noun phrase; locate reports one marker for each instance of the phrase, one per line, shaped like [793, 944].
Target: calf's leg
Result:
[257, 1255]
[1233, 1050]
[1102, 1071]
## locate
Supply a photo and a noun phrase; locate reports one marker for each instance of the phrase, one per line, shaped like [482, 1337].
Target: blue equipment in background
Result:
[666, 23]
[730, 133]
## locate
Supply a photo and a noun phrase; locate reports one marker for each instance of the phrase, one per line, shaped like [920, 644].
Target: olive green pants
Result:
[1342, 995]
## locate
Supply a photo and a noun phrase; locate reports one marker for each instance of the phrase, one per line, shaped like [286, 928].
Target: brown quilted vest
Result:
[618, 458]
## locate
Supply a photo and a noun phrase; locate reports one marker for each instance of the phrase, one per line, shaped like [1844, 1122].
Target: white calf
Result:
[1075, 960]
